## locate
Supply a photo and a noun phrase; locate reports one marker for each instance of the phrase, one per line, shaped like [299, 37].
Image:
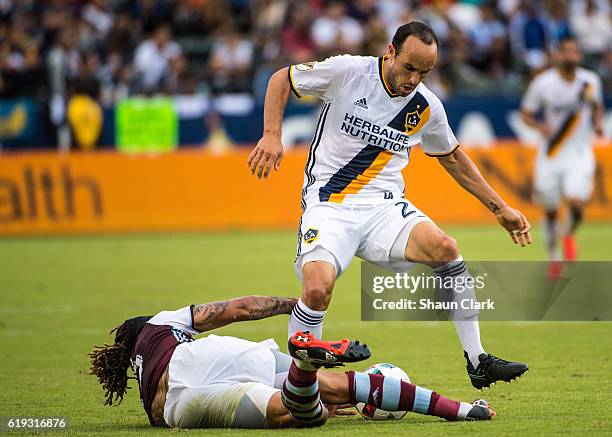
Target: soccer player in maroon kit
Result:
[228, 382]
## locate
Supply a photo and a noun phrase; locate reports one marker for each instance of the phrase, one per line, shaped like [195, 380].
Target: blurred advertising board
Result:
[146, 125]
[20, 123]
[52, 193]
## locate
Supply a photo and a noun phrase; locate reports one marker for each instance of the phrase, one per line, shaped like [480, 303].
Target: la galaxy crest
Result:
[413, 116]
[311, 235]
[412, 121]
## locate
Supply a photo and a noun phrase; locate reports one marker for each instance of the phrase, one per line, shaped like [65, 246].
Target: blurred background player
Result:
[228, 382]
[570, 99]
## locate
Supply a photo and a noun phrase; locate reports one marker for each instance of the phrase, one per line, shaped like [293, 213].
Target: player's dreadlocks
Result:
[110, 362]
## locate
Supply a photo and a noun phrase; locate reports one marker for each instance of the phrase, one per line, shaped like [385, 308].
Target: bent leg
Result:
[428, 244]
[576, 209]
[551, 230]
[329, 237]
[578, 180]
[300, 395]
[319, 279]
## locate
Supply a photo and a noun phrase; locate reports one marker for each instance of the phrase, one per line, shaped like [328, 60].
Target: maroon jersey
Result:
[152, 353]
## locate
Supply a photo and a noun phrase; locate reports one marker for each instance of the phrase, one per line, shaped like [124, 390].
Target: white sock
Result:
[464, 409]
[304, 319]
[469, 336]
[466, 322]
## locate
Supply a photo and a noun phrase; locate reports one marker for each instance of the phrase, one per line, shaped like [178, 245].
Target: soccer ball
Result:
[369, 411]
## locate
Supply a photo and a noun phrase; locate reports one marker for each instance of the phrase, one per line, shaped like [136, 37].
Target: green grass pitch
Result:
[60, 296]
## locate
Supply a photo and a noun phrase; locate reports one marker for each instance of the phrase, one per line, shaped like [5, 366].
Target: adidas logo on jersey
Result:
[362, 102]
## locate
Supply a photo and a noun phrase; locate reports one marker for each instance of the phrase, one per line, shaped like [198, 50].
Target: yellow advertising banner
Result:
[53, 193]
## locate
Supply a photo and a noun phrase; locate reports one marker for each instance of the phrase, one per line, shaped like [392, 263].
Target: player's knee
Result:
[317, 293]
[446, 249]
[551, 215]
[319, 278]
[576, 212]
[576, 206]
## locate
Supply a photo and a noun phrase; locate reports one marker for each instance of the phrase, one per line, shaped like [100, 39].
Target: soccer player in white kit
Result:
[570, 98]
[375, 111]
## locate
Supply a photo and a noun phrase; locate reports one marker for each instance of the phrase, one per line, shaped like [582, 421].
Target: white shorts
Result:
[564, 177]
[364, 230]
[222, 382]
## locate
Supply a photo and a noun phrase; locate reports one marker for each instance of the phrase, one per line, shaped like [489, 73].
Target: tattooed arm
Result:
[459, 165]
[213, 315]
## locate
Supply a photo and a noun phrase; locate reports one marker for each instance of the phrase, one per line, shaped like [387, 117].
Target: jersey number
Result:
[405, 206]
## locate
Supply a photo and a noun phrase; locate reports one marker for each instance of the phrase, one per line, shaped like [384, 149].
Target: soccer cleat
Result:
[570, 248]
[481, 410]
[492, 369]
[306, 347]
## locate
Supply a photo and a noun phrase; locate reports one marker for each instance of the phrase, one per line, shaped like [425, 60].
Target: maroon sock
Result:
[443, 407]
[369, 388]
[300, 395]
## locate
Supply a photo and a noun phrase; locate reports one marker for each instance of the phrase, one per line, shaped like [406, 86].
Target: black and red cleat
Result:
[306, 347]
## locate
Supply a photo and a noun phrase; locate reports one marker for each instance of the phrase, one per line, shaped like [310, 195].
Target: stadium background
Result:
[103, 134]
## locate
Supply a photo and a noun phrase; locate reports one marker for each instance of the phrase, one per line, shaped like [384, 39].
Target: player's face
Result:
[569, 55]
[409, 66]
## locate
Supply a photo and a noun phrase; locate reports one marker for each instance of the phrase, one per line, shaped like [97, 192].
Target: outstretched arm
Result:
[459, 165]
[213, 315]
[269, 150]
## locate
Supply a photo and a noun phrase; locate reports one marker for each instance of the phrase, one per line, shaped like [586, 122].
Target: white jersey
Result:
[365, 132]
[567, 108]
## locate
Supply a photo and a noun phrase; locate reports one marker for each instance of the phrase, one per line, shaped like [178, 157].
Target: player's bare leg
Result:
[576, 211]
[277, 414]
[307, 315]
[550, 229]
[428, 244]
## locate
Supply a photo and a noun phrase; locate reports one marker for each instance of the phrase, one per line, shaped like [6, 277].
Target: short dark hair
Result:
[417, 29]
